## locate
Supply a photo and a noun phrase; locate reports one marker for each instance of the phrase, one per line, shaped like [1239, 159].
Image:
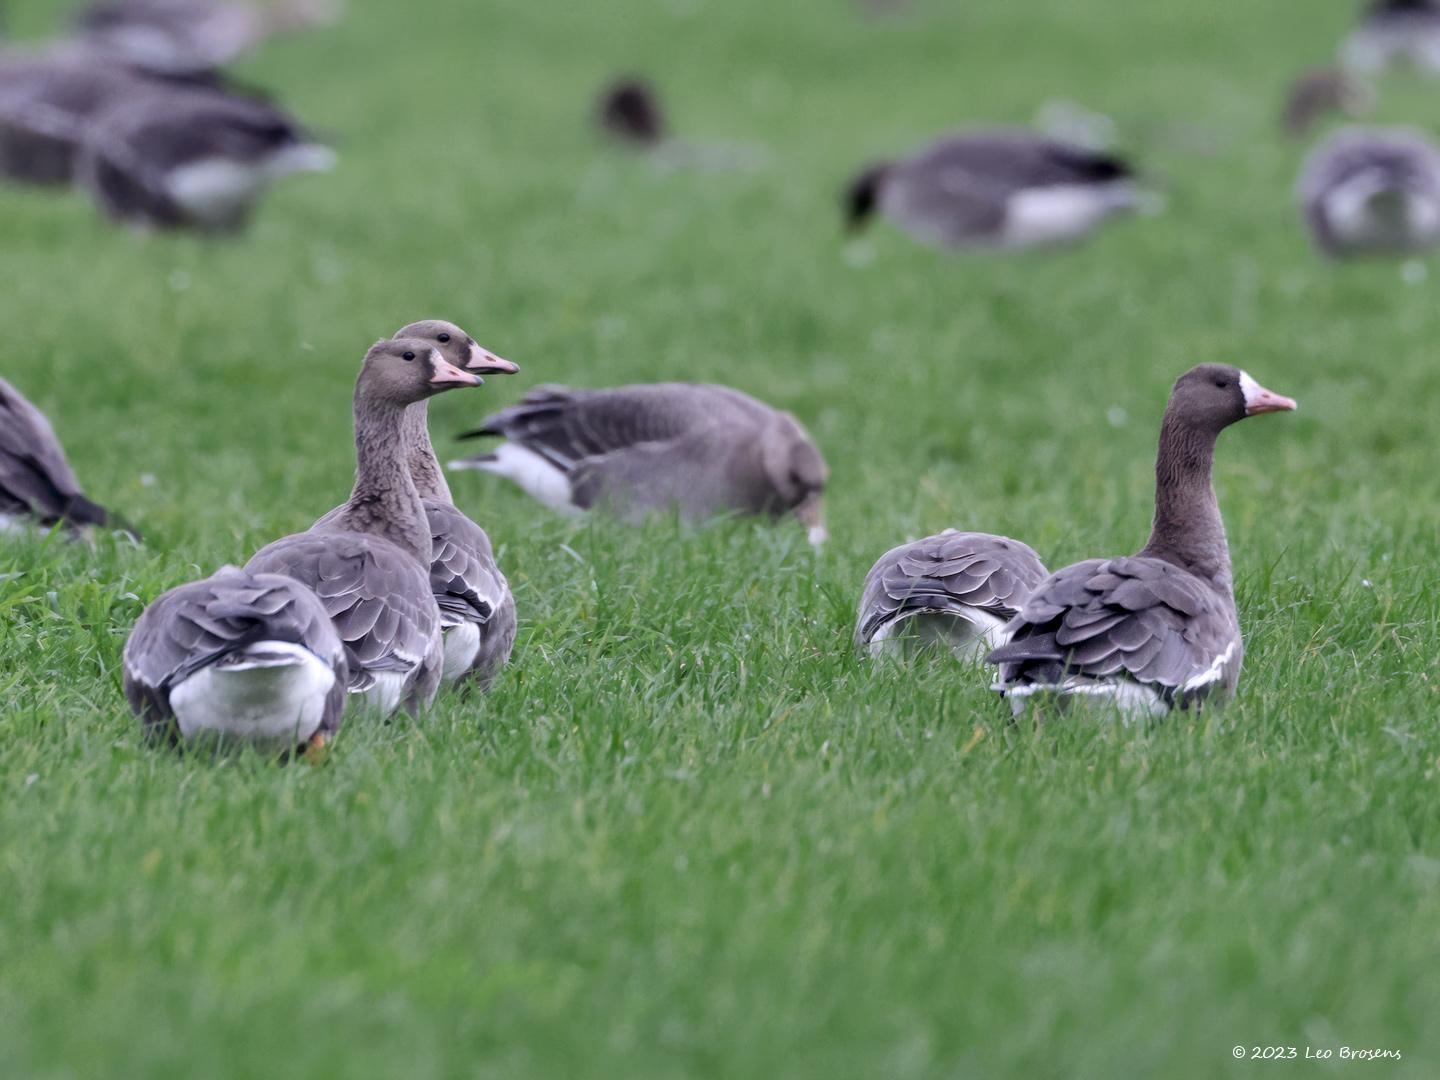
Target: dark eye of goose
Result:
[408, 355]
[1221, 384]
[442, 338]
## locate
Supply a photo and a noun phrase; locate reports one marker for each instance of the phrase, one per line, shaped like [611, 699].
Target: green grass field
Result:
[689, 834]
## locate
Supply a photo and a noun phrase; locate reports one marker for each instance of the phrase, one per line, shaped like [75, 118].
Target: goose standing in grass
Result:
[37, 485]
[199, 159]
[252, 658]
[699, 449]
[1372, 191]
[1157, 630]
[477, 609]
[954, 589]
[1395, 33]
[369, 563]
[997, 188]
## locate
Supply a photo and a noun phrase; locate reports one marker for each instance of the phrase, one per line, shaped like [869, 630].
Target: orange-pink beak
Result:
[485, 362]
[1259, 400]
[447, 374]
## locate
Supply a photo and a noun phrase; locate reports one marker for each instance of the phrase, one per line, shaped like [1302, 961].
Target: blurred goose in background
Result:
[1320, 93]
[1158, 630]
[251, 658]
[997, 188]
[193, 35]
[629, 111]
[1372, 191]
[702, 450]
[1395, 33]
[477, 609]
[954, 589]
[369, 562]
[199, 159]
[37, 485]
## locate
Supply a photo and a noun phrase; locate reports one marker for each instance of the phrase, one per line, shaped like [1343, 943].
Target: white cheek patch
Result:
[1251, 389]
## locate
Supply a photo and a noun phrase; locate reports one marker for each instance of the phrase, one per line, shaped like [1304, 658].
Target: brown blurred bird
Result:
[1322, 91]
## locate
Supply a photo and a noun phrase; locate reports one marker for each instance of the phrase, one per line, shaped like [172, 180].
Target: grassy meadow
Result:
[690, 834]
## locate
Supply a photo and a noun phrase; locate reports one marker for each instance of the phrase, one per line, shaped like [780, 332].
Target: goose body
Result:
[954, 589]
[252, 658]
[998, 188]
[37, 485]
[1156, 631]
[1372, 191]
[699, 449]
[1393, 34]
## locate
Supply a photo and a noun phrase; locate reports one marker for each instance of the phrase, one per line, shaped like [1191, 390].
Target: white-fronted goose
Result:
[1157, 630]
[37, 485]
[369, 563]
[955, 589]
[198, 159]
[251, 658]
[1395, 33]
[190, 35]
[477, 609]
[1320, 93]
[700, 449]
[995, 188]
[1372, 191]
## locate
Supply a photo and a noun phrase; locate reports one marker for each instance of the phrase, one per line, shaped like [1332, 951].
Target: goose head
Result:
[457, 347]
[1211, 397]
[402, 371]
[798, 474]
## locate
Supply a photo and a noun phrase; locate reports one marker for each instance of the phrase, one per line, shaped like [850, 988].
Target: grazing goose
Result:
[198, 159]
[190, 35]
[37, 485]
[699, 449]
[477, 609]
[998, 188]
[249, 657]
[1318, 93]
[955, 589]
[1395, 33]
[1157, 630]
[369, 562]
[1372, 191]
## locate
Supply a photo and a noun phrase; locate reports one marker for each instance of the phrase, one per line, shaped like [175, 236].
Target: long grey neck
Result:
[1188, 531]
[384, 500]
[420, 454]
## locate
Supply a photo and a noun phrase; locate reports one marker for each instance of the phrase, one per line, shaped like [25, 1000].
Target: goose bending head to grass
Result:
[1372, 191]
[956, 590]
[1158, 630]
[369, 561]
[697, 449]
[999, 188]
[247, 658]
[1395, 34]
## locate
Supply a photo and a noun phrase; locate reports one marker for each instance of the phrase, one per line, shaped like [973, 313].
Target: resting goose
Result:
[251, 658]
[1002, 188]
[955, 589]
[190, 35]
[1372, 191]
[477, 609]
[700, 449]
[198, 159]
[369, 562]
[1395, 33]
[37, 485]
[1158, 630]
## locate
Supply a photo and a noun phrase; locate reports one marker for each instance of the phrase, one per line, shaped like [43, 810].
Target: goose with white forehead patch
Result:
[477, 609]
[999, 188]
[1372, 191]
[637, 450]
[249, 658]
[369, 561]
[1157, 630]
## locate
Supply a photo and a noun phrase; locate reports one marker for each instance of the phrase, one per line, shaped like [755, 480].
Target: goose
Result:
[369, 562]
[247, 657]
[1001, 188]
[1372, 191]
[700, 449]
[198, 159]
[1322, 91]
[189, 35]
[477, 609]
[37, 485]
[1158, 630]
[956, 589]
[1395, 33]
